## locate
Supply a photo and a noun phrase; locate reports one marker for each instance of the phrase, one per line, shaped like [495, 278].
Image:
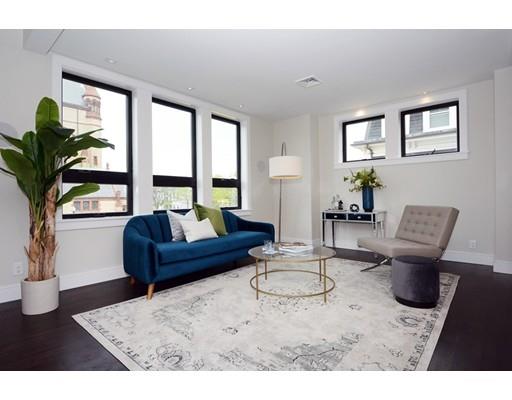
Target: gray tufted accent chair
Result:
[423, 231]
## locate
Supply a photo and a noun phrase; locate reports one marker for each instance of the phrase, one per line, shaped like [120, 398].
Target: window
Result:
[174, 156]
[430, 130]
[364, 139]
[88, 105]
[226, 163]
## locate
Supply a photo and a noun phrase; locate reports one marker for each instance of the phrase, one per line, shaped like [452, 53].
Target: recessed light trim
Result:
[240, 106]
[190, 88]
[110, 60]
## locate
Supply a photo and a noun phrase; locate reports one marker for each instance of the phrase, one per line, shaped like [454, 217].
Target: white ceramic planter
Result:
[39, 297]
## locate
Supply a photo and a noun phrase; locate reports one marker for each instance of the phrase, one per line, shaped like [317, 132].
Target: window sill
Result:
[241, 212]
[91, 223]
[111, 222]
[404, 160]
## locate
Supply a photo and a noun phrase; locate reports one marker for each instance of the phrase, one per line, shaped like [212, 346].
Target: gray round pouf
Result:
[415, 281]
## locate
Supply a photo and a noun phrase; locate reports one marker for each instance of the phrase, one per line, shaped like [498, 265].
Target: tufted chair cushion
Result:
[430, 225]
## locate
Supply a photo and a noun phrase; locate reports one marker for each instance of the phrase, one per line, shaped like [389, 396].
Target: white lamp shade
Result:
[285, 167]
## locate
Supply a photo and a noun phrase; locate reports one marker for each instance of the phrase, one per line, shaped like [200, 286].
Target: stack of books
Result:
[295, 248]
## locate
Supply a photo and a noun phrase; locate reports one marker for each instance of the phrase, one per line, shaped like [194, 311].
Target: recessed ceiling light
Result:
[190, 88]
[241, 106]
[110, 60]
[425, 92]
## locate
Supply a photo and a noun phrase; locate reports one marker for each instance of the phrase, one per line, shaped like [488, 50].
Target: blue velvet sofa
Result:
[150, 255]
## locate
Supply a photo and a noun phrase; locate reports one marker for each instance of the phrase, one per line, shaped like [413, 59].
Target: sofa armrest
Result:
[140, 257]
[246, 225]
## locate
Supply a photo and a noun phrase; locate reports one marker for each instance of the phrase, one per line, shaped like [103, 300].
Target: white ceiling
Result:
[258, 68]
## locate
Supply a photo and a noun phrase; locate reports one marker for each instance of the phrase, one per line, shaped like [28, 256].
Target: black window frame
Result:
[232, 183]
[180, 181]
[429, 107]
[344, 136]
[77, 176]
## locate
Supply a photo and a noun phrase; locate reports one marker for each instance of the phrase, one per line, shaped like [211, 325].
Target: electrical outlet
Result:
[472, 244]
[17, 268]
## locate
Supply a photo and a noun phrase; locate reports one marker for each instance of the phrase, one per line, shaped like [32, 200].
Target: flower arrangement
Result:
[363, 178]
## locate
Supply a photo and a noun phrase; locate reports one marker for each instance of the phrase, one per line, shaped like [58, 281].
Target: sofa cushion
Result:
[198, 230]
[214, 215]
[175, 223]
[171, 252]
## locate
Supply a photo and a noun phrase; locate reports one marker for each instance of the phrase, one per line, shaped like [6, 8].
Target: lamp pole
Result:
[283, 153]
[284, 167]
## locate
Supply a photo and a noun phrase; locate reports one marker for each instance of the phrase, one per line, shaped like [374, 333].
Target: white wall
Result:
[299, 196]
[94, 253]
[503, 146]
[23, 81]
[261, 189]
[467, 184]
[315, 181]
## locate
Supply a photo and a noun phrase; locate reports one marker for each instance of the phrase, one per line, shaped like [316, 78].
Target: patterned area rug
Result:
[217, 324]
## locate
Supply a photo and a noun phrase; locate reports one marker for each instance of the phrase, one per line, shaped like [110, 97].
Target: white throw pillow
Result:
[175, 220]
[198, 230]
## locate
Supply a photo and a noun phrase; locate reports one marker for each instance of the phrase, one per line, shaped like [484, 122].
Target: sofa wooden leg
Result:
[132, 280]
[151, 289]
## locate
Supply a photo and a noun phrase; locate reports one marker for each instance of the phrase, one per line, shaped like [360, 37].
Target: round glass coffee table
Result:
[318, 255]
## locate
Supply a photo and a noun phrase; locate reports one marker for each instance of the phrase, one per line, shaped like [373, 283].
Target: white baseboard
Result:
[503, 267]
[449, 255]
[71, 281]
[317, 242]
[468, 257]
[314, 242]
[346, 244]
[68, 281]
[10, 292]
[294, 239]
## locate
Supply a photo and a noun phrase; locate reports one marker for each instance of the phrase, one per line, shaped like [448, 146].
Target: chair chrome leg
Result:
[376, 265]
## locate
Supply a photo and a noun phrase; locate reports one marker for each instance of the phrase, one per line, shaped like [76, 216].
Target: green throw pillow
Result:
[214, 215]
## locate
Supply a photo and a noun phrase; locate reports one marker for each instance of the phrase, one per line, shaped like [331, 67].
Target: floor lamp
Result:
[284, 167]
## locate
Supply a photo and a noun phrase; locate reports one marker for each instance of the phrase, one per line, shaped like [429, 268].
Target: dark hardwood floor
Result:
[477, 334]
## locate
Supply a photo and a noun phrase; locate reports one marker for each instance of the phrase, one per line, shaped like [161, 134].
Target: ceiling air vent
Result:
[308, 81]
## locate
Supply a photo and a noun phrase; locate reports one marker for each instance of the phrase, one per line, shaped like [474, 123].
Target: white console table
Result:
[375, 220]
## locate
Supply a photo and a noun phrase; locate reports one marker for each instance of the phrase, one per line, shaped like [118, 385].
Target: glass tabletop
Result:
[316, 254]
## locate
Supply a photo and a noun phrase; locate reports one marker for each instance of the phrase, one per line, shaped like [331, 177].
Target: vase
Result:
[39, 297]
[368, 198]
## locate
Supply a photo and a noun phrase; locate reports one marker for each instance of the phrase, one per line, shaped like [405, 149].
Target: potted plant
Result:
[37, 161]
[365, 180]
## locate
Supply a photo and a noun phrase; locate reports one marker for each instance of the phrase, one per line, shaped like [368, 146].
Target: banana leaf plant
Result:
[37, 161]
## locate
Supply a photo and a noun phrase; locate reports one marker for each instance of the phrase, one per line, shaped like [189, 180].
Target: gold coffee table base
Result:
[323, 292]
[318, 255]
